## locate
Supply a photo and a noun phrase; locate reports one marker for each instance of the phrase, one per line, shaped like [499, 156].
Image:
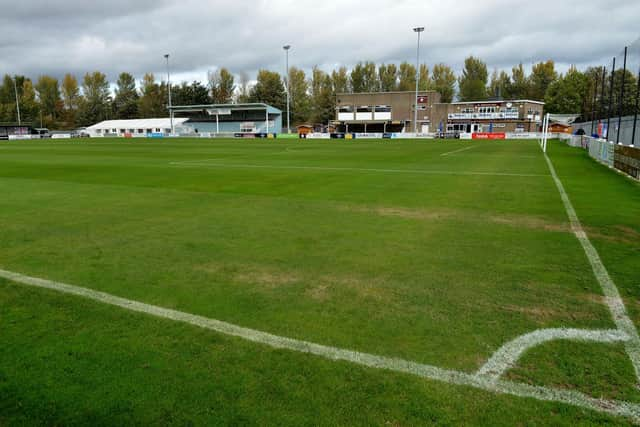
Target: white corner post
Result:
[545, 132]
[541, 139]
[415, 100]
[266, 118]
[166, 56]
[286, 67]
[217, 123]
[15, 88]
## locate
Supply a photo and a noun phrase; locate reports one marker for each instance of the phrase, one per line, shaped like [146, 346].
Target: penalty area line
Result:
[457, 151]
[570, 397]
[204, 164]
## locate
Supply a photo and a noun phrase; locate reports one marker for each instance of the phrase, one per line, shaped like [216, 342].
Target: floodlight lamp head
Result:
[166, 55]
[418, 29]
[286, 47]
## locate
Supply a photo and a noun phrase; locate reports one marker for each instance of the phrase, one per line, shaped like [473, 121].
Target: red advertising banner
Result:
[487, 135]
[423, 100]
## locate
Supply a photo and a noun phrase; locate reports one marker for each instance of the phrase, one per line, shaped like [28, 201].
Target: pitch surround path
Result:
[488, 377]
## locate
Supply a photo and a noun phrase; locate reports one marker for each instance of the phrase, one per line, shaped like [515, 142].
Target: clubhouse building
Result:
[395, 112]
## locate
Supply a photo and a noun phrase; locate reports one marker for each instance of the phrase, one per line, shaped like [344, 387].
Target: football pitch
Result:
[316, 282]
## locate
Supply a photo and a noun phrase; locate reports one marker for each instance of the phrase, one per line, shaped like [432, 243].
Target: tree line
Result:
[70, 103]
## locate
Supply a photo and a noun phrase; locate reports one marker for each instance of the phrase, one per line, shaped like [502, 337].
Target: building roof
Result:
[384, 93]
[502, 101]
[137, 124]
[233, 107]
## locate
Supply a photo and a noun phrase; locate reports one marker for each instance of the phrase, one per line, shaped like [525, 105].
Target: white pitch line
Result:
[507, 356]
[458, 151]
[321, 168]
[613, 407]
[612, 295]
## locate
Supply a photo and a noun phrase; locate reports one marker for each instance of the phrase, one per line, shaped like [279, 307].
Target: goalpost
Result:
[565, 119]
[545, 133]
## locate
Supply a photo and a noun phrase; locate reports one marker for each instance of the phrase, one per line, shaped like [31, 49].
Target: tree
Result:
[340, 80]
[154, 98]
[71, 99]
[473, 81]
[299, 96]
[364, 78]
[493, 90]
[194, 93]
[595, 110]
[566, 95]
[49, 99]
[323, 96]
[519, 87]
[626, 78]
[407, 77]
[443, 81]
[8, 111]
[29, 109]
[356, 78]
[125, 103]
[269, 89]
[244, 89]
[97, 96]
[542, 75]
[499, 85]
[388, 75]
[222, 86]
[425, 82]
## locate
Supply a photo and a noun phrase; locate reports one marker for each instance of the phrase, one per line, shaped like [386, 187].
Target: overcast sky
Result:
[56, 36]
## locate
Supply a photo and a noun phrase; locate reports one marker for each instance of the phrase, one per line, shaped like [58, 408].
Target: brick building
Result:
[384, 111]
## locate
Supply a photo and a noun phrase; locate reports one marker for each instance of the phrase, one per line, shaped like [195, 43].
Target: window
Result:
[98, 131]
[130, 131]
[467, 110]
[487, 109]
[345, 109]
[247, 127]
[382, 109]
[457, 127]
[158, 130]
[364, 109]
[140, 130]
[167, 131]
[121, 130]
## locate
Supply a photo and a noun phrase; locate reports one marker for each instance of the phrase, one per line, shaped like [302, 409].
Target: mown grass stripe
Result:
[206, 164]
[613, 407]
[612, 295]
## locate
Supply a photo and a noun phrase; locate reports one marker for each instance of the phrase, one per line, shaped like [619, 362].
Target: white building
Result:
[135, 127]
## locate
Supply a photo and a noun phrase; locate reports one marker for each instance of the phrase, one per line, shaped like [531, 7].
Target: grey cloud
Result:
[44, 37]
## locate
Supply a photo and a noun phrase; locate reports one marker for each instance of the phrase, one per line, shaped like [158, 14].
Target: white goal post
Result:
[545, 132]
[566, 119]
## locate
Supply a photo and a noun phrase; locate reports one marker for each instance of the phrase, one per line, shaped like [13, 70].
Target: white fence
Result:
[601, 150]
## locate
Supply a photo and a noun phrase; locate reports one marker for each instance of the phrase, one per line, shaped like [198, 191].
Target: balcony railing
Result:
[483, 116]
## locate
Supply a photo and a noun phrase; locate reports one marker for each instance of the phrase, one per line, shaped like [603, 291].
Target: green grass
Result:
[325, 241]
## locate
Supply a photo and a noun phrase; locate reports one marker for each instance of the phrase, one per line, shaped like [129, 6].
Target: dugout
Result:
[17, 131]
